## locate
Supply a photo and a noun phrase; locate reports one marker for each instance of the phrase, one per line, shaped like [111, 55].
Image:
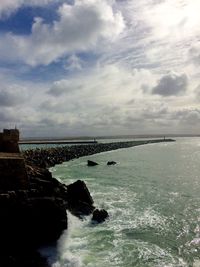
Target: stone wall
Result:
[13, 175]
[9, 141]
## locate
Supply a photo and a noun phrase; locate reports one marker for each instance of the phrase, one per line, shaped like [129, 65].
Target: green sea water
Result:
[153, 198]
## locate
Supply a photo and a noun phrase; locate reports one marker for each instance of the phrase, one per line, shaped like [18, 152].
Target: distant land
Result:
[105, 137]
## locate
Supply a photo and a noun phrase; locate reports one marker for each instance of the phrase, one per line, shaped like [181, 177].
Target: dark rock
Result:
[111, 163]
[99, 215]
[80, 209]
[79, 199]
[46, 218]
[91, 163]
[43, 184]
[31, 218]
[33, 221]
[78, 190]
[25, 257]
[37, 172]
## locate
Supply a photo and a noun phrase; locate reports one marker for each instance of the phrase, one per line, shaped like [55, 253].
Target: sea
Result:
[152, 196]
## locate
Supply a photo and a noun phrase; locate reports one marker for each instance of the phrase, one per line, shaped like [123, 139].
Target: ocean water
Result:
[153, 198]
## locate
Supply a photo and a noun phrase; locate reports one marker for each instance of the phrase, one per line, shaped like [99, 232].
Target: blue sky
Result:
[100, 67]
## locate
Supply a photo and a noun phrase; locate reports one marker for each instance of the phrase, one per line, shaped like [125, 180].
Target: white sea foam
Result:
[196, 263]
[70, 247]
[68, 260]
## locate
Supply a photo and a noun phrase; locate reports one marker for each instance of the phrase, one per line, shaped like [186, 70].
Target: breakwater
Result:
[48, 157]
[55, 142]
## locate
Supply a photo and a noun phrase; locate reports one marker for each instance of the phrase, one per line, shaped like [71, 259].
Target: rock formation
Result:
[111, 163]
[91, 163]
[33, 208]
[79, 199]
[99, 215]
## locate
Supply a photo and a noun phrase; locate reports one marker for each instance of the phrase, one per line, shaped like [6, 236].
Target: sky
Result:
[100, 67]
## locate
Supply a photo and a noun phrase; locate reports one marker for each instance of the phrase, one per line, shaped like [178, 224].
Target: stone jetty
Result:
[48, 157]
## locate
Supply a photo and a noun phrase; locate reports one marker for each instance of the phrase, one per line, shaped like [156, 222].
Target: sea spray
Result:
[69, 248]
[69, 245]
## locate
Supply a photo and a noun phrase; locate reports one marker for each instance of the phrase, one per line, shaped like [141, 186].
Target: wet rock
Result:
[111, 163]
[91, 163]
[34, 221]
[79, 199]
[43, 184]
[35, 172]
[99, 215]
[16, 257]
[31, 218]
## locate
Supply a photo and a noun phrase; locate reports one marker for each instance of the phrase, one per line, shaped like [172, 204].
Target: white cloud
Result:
[142, 78]
[158, 34]
[175, 20]
[64, 86]
[73, 63]
[12, 95]
[194, 53]
[197, 94]
[78, 29]
[192, 117]
[187, 119]
[105, 84]
[107, 100]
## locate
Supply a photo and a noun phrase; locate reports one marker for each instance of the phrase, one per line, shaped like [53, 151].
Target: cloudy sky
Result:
[100, 67]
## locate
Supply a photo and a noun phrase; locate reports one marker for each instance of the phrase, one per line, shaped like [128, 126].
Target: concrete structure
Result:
[9, 141]
[13, 174]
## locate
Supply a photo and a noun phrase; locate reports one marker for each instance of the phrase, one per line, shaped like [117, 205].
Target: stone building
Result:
[9, 141]
[13, 175]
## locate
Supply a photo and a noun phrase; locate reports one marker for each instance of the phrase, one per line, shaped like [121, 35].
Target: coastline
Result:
[49, 157]
[36, 214]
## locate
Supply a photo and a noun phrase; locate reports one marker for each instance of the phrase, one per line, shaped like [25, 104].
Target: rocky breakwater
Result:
[48, 157]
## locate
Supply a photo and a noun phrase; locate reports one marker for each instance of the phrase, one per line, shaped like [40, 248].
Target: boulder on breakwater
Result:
[111, 163]
[91, 163]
